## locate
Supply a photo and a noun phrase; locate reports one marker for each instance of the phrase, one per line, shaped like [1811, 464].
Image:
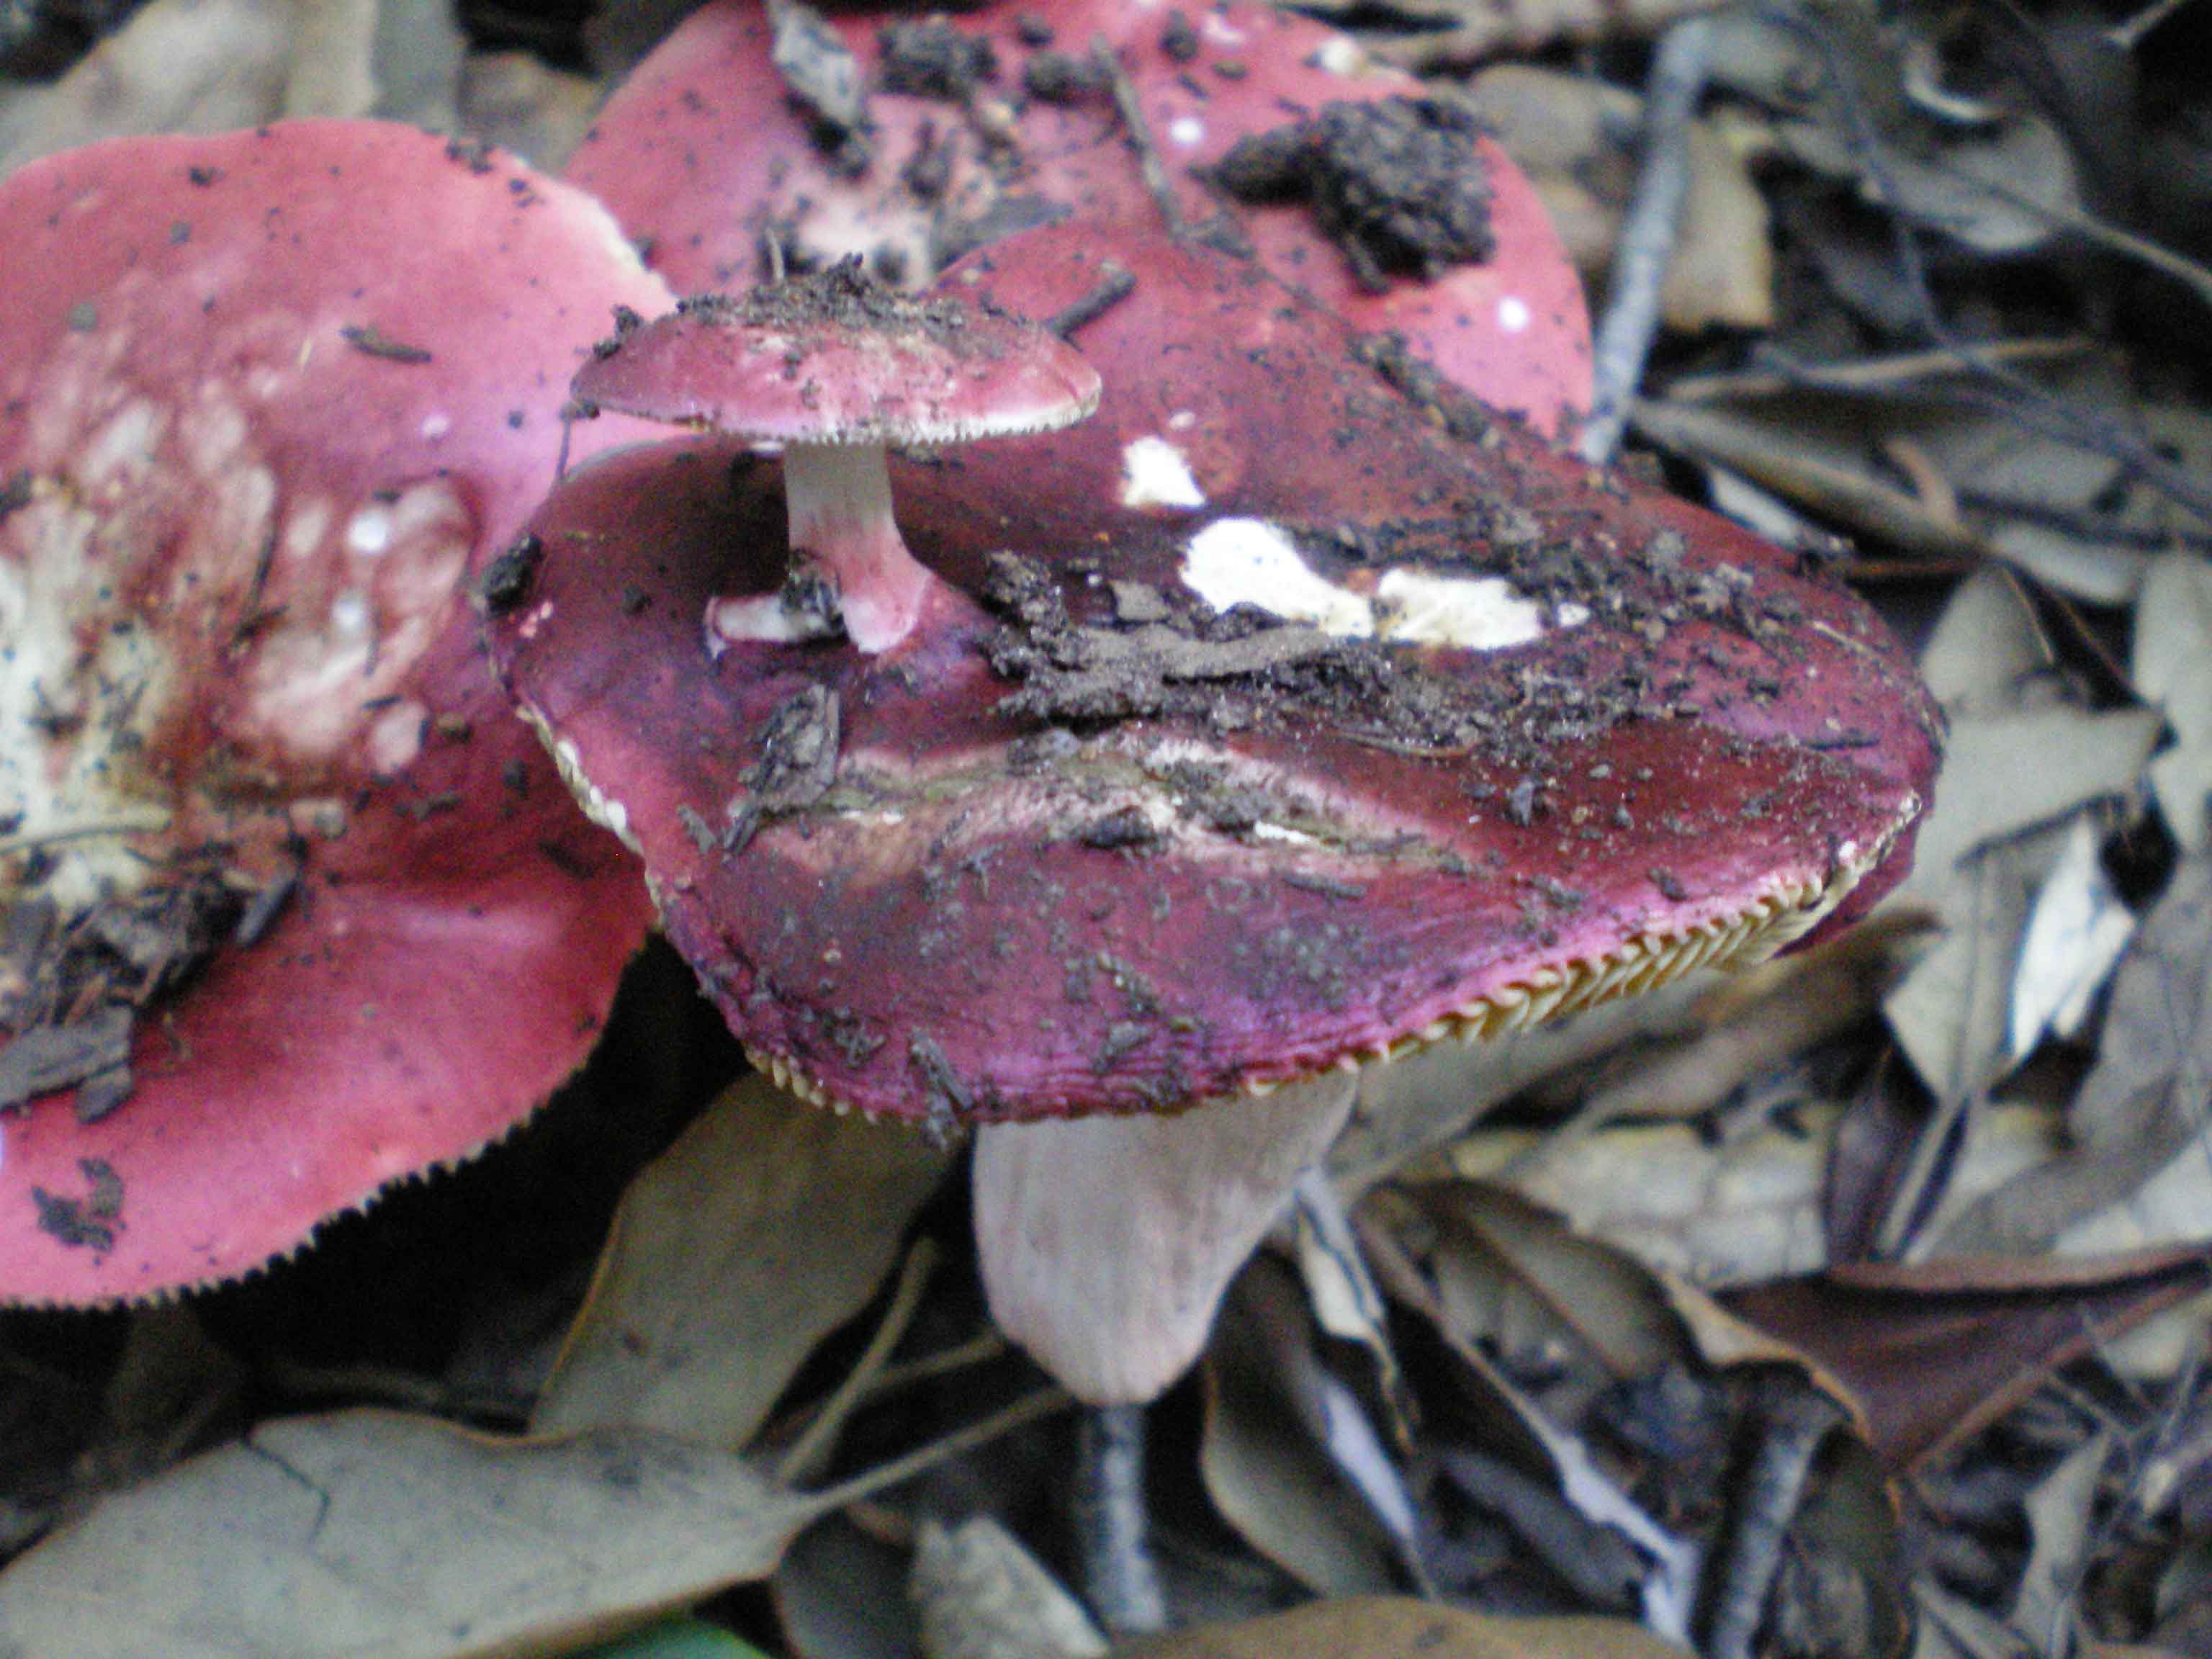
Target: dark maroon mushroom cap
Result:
[1089, 845]
[839, 359]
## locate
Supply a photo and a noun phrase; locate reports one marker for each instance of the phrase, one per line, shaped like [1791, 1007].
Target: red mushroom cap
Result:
[1098, 847]
[835, 358]
[703, 153]
[272, 401]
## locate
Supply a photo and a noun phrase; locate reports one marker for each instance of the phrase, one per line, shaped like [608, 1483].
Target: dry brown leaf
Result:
[980, 1595]
[368, 1531]
[2143, 1103]
[517, 100]
[1932, 1359]
[2076, 929]
[2172, 669]
[841, 1594]
[1263, 1455]
[1740, 1211]
[1393, 1628]
[177, 66]
[765, 1227]
[2060, 1507]
[1575, 137]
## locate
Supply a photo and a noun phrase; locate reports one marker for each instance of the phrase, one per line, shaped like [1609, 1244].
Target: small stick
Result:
[1116, 282]
[1647, 237]
[150, 822]
[1120, 1578]
[803, 1460]
[1149, 167]
[1793, 1418]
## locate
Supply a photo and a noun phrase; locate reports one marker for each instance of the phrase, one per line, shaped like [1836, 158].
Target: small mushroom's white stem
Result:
[838, 497]
[1106, 1243]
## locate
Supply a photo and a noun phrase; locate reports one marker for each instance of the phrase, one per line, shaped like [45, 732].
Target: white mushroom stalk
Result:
[1138, 1223]
[838, 498]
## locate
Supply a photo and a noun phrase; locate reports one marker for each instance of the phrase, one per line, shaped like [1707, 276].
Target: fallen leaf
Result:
[982, 1595]
[2076, 929]
[765, 1227]
[1933, 1359]
[2059, 1512]
[2141, 1104]
[1264, 1456]
[1386, 1628]
[371, 1532]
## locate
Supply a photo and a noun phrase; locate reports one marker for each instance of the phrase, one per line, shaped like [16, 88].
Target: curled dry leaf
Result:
[278, 400]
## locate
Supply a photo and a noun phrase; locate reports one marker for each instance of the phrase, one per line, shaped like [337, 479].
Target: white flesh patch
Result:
[1235, 562]
[1481, 613]
[1155, 474]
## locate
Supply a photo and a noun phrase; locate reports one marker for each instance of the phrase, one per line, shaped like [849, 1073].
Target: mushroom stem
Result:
[1106, 1242]
[838, 499]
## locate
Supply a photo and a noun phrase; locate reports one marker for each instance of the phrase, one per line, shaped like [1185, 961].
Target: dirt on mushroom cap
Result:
[1073, 859]
[836, 356]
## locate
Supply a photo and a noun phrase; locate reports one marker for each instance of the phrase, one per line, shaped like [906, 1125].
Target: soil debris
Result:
[932, 58]
[796, 765]
[1398, 185]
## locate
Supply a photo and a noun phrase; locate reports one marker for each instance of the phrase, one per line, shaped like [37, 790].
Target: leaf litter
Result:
[2030, 1020]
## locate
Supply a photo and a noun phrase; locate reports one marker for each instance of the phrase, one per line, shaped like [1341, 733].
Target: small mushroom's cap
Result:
[834, 357]
[1387, 728]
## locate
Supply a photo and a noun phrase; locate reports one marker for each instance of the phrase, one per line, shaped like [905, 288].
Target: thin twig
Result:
[1120, 1580]
[1647, 236]
[807, 1455]
[1794, 1418]
[1138, 132]
[148, 821]
[2028, 403]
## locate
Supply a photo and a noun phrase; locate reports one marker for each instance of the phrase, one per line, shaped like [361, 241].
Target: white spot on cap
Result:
[1235, 562]
[1512, 314]
[1223, 33]
[396, 737]
[1340, 55]
[350, 617]
[1187, 130]
[369, 531]
[435, 427]
[1476, 613]
[1571, 615]
[1155, 474]
[1182, 420]
[127, 440]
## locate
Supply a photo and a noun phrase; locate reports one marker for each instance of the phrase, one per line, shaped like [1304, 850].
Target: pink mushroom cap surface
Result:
[704, 154]
[1383, 722]
[268, 403]
[841, 359]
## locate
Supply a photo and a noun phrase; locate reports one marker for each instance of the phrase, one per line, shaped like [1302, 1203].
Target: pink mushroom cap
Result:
[269, 402]
[841, 359]
[703, 153]
[1490, 738]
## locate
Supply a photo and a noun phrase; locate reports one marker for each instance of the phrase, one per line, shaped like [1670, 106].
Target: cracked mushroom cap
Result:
[837, 358]
[1401, 730]
[1346, 176]
[294, 903]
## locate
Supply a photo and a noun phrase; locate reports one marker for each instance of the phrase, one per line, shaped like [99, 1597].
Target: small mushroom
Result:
[1390, 729]
[271, 404]
[835, 368]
